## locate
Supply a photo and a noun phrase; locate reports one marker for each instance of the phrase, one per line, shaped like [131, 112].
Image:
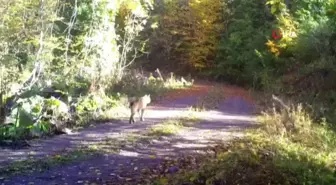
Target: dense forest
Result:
[66, 63]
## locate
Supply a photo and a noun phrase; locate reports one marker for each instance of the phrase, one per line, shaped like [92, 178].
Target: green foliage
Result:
[310, 14]
[248, 54]
[33, 116]
[313, 53]
[93, 102]
[317, 46]
[81, 48]
[242, 55]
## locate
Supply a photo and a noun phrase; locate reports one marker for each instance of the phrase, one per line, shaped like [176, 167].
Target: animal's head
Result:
[147, 98]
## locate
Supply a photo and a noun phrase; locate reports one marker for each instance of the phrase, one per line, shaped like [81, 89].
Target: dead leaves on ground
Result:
[161, 173]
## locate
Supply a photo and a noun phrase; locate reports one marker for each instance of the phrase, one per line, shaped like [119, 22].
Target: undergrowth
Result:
[272, 154]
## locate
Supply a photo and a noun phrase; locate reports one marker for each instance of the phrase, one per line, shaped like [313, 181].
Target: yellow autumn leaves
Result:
[273, 48]
[196, 27]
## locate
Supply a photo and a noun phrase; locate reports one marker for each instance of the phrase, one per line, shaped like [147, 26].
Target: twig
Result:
[158, 72]
[288, 118]
[69, 28]
[281, 102]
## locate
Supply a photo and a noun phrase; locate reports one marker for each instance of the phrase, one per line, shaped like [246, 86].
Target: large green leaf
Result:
[25, 119]
[273, 9]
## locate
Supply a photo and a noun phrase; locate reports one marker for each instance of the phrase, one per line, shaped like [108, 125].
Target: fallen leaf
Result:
[163, 181]
[152, 157]
[143, 170]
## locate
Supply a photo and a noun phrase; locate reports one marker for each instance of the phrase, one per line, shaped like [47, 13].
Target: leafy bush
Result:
[242, 55]
[94, 106]
[33, 116]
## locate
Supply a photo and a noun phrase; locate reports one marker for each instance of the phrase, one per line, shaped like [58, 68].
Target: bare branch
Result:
[69, 28]
[281, 102]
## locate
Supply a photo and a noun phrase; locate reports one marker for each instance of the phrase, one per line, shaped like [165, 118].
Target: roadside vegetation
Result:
[271, 154]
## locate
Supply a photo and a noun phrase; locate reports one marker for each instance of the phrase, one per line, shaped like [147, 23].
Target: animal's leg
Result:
[142, 115]
[132, 117]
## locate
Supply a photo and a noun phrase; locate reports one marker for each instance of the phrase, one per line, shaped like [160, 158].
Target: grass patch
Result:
[165, 129]
[172, 126]
[272, 154]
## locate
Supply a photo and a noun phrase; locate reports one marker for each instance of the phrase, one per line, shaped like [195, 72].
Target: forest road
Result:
[234, 114]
